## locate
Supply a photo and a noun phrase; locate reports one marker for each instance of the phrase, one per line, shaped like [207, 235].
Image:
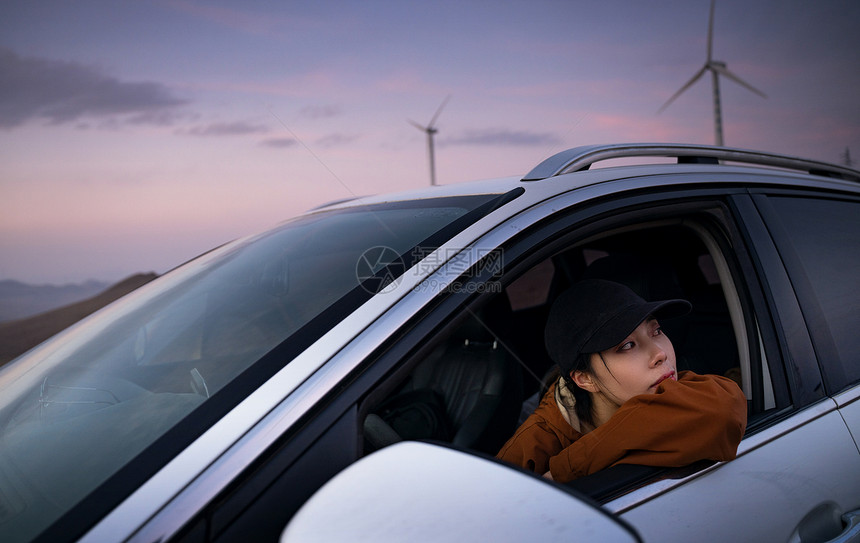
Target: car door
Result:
[818, 235]
[799, 476]
[798, 465]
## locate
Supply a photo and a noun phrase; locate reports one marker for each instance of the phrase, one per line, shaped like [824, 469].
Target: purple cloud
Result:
[279, 143]
[236, 128]
[64, 92]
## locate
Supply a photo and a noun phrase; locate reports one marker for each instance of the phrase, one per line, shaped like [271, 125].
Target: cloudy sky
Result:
[135, 135]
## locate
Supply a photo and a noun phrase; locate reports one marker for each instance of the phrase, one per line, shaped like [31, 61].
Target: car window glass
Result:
[825, 234]
[81, 407]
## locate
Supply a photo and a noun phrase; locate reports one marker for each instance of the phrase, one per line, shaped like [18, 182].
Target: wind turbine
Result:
[717, 68]
[431, 130]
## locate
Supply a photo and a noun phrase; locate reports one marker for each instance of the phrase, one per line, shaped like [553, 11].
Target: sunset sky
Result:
[135, 135]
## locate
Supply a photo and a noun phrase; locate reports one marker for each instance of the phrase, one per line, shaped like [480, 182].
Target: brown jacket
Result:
[698, 417]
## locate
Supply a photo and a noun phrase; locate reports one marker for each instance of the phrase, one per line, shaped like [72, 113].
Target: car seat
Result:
[479, 389]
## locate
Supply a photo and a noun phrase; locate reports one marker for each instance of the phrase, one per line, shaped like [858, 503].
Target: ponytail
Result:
[584, 404]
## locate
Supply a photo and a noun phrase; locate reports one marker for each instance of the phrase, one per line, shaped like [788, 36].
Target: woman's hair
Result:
[584, 404]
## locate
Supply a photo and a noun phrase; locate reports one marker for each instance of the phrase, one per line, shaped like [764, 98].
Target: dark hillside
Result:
[21, 300]
[19, 336]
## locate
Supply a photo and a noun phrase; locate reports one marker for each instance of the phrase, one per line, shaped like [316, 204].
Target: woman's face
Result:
[635, 366]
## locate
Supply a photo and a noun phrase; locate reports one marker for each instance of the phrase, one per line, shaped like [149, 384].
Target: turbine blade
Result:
[722, 70]
[416, 125]
[685, 87]
[711, 32]
[432, 122]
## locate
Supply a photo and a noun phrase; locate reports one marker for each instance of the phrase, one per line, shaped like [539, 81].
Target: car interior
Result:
[486, 371]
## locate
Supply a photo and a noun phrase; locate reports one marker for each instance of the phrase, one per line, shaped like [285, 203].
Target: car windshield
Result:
[111, 394]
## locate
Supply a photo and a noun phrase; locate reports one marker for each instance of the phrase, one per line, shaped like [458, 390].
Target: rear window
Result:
[825, 235]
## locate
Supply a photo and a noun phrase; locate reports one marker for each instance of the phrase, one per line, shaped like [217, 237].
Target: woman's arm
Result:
[698, 417]
[543, 435]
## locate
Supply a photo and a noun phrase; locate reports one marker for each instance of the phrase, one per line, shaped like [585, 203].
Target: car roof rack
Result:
[581, 158]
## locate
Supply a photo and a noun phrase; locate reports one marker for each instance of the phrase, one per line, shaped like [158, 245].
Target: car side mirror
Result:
[414, 491]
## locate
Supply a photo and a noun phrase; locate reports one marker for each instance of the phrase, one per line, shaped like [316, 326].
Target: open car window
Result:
[485, 372]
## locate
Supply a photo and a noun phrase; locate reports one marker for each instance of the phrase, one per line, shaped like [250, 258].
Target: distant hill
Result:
[19, 336]
[19, 300]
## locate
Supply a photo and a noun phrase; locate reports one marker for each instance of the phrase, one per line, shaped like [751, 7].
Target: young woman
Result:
[620, 398]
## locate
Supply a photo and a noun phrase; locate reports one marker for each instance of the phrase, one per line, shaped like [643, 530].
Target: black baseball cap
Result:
[594, 315]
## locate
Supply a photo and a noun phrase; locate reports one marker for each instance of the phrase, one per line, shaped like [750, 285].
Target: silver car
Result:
[350, 374]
